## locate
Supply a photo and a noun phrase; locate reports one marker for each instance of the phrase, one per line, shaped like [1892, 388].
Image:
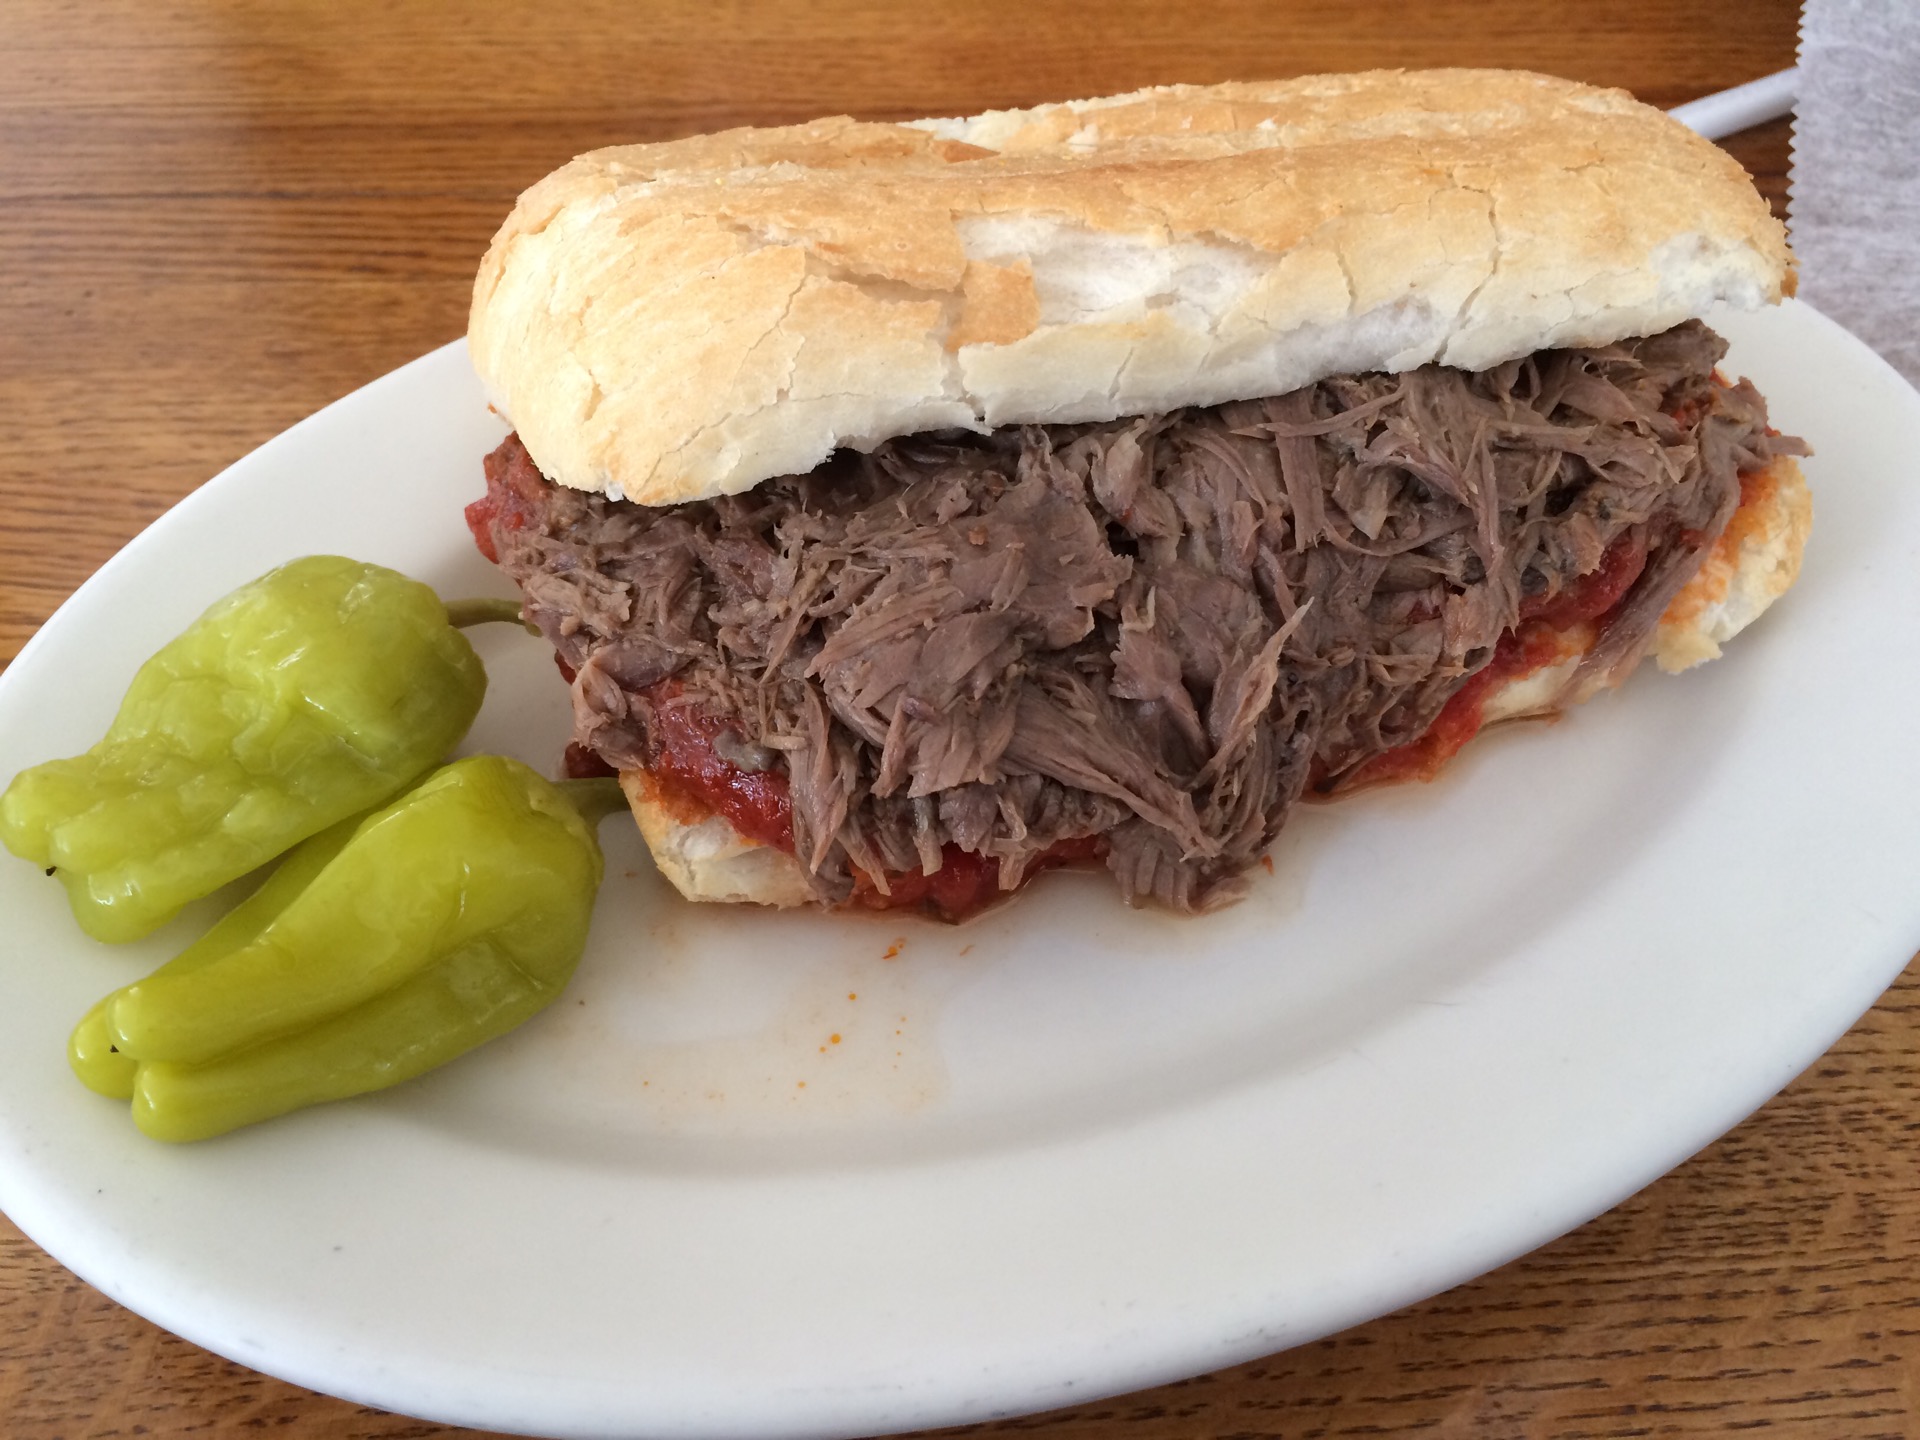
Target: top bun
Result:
[676, 321]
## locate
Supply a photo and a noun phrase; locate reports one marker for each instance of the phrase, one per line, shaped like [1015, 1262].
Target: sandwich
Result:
[914, 508]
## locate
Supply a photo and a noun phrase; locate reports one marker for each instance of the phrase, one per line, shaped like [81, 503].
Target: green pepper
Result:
[304, 697]
[95, 1058]
[369, 957]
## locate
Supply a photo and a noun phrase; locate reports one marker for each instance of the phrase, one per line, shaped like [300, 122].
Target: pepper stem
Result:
[595, 799]
[462, 613]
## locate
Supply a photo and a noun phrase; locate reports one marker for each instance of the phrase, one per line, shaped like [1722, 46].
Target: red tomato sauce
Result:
[693, 779]
[580, 763]
[513, 496]
[965, 883]
[1597, 591]
[1533, 646]
[1541, 639]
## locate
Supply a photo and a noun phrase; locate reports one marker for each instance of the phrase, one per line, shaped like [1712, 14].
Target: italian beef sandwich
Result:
[914, 508]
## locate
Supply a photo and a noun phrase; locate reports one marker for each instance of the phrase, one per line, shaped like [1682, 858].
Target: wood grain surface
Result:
[217, 217]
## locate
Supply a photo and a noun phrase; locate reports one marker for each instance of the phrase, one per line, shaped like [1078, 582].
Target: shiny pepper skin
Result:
[377, 951]
[304, 697]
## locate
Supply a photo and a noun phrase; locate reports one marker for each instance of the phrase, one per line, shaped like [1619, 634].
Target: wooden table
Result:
[216, 217]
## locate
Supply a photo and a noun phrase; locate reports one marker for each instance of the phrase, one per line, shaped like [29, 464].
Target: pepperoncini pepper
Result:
[377, 951]
[304, 697]
[92, 1053]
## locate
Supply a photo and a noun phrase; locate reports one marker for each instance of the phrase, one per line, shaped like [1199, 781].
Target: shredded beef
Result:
[1156, 630]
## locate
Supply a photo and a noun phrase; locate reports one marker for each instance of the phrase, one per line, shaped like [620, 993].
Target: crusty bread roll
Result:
[1750, 566]
[675, 322]
[682, 320]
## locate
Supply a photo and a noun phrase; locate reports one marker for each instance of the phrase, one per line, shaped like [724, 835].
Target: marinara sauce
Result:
[1541, 639]
[513, 498]
[692, 781]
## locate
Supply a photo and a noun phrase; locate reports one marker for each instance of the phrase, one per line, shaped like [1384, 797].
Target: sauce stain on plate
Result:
[852, 1038]
[731, 1022]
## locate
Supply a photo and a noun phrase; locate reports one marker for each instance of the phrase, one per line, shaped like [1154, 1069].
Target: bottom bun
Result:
[1755, 560]
[709, 859]
[1752, 564]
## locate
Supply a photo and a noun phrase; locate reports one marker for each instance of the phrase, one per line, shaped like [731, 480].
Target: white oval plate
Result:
[774, 1175]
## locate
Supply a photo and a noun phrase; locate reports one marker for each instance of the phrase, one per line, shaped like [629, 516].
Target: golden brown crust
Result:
[680, 320]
